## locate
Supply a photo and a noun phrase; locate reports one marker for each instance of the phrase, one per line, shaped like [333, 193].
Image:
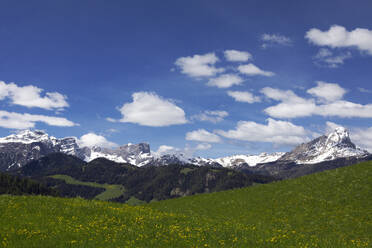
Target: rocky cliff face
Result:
[18, 149]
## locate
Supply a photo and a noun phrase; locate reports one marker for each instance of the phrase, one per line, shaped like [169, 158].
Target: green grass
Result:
[186, 170]
[112, 191]
[133, 201]
[328, 209]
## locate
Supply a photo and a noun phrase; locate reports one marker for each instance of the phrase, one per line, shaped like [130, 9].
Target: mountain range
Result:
[148, 176]
[18, 149]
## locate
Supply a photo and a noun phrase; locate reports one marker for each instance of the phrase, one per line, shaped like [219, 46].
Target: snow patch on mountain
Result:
[27, 137]
[240, 160]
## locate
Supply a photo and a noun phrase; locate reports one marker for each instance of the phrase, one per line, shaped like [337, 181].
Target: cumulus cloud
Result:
[24, 121]
[203, 146]
[92, 139]
[275, 39]
[244, 96]
[186, 152]
[338, 37]
[30, 96]
[149, 109]
[211, 116]
[225, 81]
[329, 103]
[345, 109]
[252, 70]
[171, 150]
[331, 126]
[326, 58]
[203, 136]
[275, 131]
[199, 65]
[327, 92]
[362, 137]
[291, 105]
[237, 56]
[164, 149]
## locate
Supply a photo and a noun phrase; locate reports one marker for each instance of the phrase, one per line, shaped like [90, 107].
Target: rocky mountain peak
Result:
[335, 145]
[339, 137]
[135, 148]
[26, 137]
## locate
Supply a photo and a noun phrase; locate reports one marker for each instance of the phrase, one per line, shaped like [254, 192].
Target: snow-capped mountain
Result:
[136, 154]
[18, 149]
[335, 145]
[236, 161]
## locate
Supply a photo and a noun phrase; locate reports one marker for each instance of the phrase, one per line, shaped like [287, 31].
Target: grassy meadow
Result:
[328, 209]
[111, 190]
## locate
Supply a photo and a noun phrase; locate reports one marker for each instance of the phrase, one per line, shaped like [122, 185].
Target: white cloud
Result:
[203, 136]
[345, 109]
[276, 132]
[362, 137]
[275, 39]
[337, 36]
[23, 121]
[164, 149]
[111, 119]
[211, 116]
[237, 56]
[280, 95]
[323, 53]
[149, 109]
[92, 139]
[203, 146]
[292, 106]
[336, 61]
[252, 70]
[225, 81]
[327, 92]
[363, 90]
[30, 96]
[244, 96]
[199, 65]
[112, 130]
[331, 126]
[325, 57]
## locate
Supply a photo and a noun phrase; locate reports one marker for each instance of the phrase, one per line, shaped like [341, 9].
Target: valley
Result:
[111, 191]
[327, 209]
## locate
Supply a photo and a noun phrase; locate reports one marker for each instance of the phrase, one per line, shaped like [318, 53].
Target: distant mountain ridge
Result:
[18, 149]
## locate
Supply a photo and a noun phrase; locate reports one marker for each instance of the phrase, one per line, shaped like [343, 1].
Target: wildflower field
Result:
[328, 209]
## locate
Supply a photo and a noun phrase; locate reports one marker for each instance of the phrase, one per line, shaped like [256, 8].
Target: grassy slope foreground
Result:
[328, 209]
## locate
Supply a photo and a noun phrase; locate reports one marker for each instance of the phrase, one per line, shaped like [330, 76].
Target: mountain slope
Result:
[328, 209]
[144, 183]
[22, 186]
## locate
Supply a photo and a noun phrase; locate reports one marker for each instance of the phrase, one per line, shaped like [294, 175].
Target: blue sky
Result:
[212, 78]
